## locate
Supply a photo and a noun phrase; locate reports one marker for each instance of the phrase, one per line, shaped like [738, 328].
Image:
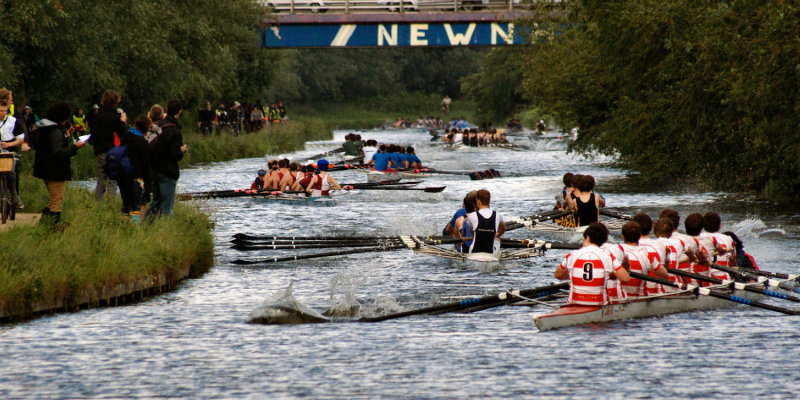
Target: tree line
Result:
[700, 92]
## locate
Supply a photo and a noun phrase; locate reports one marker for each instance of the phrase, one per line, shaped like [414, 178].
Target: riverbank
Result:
[99, 258]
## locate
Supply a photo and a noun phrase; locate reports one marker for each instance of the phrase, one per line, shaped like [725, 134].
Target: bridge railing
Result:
[382, 6]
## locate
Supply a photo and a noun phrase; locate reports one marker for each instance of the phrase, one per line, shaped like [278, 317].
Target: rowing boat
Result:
[381, 176]
[550, 226]
[478, 261]
[325, 201]
[651, 306]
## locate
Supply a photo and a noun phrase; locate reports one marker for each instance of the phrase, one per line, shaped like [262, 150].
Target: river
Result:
[196, 342]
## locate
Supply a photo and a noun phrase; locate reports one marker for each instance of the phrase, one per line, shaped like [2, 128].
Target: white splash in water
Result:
[749, 228]
[282, 308]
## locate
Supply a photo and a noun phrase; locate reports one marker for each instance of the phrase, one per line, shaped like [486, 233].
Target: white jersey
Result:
[472, 218]
[589, 268]
[638, 261]
[369, 151]
[614, 290]
[7, 129]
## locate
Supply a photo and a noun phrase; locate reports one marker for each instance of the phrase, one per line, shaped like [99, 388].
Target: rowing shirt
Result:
[614, 291]
[369, 151]
[638, 261]
[673, 251]
[689, 246]
[258, 183]
[724, 246]
[321, 187]
[484, 231]
[398, 160]
[704, 246]
[656, 252]
[589, 269]
[587, 212]
[381, 161]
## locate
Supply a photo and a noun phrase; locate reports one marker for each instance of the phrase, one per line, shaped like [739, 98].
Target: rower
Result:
[303, 178]
[272, 178]
[322, 183]
[381, 161]
[461, 228]
[413, 160]
[656, 251]
[688, 246]
[259, 182]
[583, 201]
[395, 157]
[370, 148]
[589, 267]
[705, 248]
[289, 178]
[487, 225]
[673, 246]
[724, 248]
[638, 260]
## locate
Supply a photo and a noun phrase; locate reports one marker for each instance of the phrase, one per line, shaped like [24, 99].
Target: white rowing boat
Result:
[612, 224]
[651, 306]
[325, 201]
[477, 261]
[382, 176]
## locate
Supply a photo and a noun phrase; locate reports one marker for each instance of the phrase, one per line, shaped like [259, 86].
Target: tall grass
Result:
[98, 248]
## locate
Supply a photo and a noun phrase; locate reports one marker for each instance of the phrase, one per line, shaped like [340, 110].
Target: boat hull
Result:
[379, 176]
[324, 201]
[570, 315]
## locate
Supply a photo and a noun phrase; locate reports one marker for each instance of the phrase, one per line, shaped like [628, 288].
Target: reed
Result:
[98, 248]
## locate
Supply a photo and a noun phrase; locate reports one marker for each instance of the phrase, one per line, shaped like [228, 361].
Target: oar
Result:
[532, 220]
[327, 153]
[265, 237]
[483, 302]
[537, 244]
[253, 247]
[716, 281]
[712, 293]
[751, 272]
[317, 255]
[433, 189]
[332, 241]
[614, 214]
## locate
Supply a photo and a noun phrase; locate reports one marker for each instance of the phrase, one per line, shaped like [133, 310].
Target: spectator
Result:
[12, 137]
[109, 123]
[131, 186]
[206, 119]
[166, 151]
[79, 123]
[236, 116]
[257, 117]
[282, 110]
[30, 118]
[91, 115]
[52, 160]
[155, 115]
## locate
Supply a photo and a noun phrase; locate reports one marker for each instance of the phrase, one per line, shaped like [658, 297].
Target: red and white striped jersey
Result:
[705, 247]
[725, 250]
[656, 252]
[638, 261]
[614, 291]
[674, 251]
[589, 268]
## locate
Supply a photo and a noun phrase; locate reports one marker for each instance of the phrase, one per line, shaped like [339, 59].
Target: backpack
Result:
[118, 164]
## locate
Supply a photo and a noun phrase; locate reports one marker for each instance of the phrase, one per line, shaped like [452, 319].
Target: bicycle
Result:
[206, 128]
[231, 128]
[8, 209]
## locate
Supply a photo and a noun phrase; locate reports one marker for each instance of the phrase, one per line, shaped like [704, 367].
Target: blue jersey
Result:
[381, 161]
[412, 158]
[398, 160]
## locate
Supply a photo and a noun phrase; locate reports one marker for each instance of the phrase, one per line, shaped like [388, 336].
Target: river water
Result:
[196, 342]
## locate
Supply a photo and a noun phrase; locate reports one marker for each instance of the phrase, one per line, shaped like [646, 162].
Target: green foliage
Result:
[694, 91]
[304, 76]
[72, 50]
[496, 87]
[98, 248]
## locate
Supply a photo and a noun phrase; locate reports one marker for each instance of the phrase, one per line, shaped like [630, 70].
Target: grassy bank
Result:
[97, 248]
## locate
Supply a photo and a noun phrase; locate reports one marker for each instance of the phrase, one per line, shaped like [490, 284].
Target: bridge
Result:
[391, 23]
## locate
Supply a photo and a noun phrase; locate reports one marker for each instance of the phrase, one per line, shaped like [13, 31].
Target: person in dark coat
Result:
[131, 187]
[52, 160]
[108, 121]
[165, 153]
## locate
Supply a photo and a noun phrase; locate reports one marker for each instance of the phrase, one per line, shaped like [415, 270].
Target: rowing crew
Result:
[286, 176]
[390, 158]
[599, 272]
[478, 221]
[473, 137]
[578, 196]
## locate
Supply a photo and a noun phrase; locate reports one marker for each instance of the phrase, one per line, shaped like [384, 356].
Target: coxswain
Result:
[589, 268]
[638, 260]
[289, 178]
[583, 201]
[742, 259]
[486, 224]
[322, 183]
[259, 183]
[724, 248]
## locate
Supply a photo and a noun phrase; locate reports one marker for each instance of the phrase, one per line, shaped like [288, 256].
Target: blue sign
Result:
[392, 35]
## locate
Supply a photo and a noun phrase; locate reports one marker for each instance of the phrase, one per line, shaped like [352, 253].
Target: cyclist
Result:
[206, 117]
[12, 136]
[236, 116]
